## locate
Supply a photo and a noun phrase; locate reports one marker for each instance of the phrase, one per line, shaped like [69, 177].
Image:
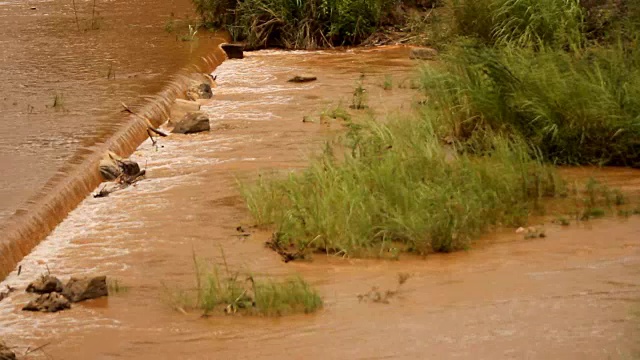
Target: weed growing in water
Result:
[377, 296]
[359, 100]
[116, 287]
[388, 82]
[231, 292]
[395, 184]
[58, 101]
[191, 35]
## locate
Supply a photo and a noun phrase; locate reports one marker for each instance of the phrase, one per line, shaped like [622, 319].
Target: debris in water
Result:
[51, 302]
[302, 78]
[5, 294]
[45, 284]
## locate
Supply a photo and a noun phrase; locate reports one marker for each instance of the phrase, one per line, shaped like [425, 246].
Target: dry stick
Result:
[76, 14]
[93, 13]
[149, 125]
[29, 351]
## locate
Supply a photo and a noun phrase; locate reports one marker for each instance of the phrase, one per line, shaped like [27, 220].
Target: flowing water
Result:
[567, 296]
[570, 295]
[65, 69]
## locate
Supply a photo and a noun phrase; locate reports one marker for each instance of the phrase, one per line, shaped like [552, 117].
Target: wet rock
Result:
[51, 302]
[192, 122]
[198, 91]
[302, 78]
[423, 54]
[109, 168]
[233, 51]
[45, 284]
[129, 167]
[6, 353]
[85, 288]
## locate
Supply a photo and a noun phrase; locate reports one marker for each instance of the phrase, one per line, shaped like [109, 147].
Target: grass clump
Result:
[296, 23]
[394, 186]
[235, 293]
[576, 108]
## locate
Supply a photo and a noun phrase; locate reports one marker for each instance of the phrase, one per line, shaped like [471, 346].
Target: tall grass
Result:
[231, 292]
[295, 23]
[395, 185]
[576, 109]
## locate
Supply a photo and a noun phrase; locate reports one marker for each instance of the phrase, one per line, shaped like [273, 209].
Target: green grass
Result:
[577, 108]
[116, 287]
[230, 292]
[296, 23]
[396, 187]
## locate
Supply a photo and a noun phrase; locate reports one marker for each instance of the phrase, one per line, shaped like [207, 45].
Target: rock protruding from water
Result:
[51, 302]
[233, 51]
[109, 168]
[302, 78]
[423, 53]
[6, 353]
[80, 289]
[198, 90]
[45, 284]
[192, 122]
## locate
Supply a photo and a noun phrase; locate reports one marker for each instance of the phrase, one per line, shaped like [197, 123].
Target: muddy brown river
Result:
[571, 295]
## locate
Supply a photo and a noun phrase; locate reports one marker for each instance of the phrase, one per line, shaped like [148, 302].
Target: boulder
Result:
[45, 284]
[109, 168]
[303, 78]
[6, 353]
[192, 122]
[85, 288]
[199, 90]
[233, 51]
[51, 302]
[129, 167]
[423, 53]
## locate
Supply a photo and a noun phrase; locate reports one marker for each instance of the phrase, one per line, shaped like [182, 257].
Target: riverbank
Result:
[489, 303]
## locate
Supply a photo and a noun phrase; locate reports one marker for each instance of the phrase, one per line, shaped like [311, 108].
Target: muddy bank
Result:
[564, 296]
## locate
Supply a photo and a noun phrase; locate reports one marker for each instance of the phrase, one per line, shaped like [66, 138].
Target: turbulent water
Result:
[65, 69]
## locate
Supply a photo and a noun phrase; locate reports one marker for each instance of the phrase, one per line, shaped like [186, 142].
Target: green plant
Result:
[191, 34]
[388, 82]
[116, 287]
[394, 184]
[230, 292]
[359, 100]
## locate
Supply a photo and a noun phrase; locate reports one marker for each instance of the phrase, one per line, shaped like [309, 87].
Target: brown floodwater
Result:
[567, 296]
[117, 51]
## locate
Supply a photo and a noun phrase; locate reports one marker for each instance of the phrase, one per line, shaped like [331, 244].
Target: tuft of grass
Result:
[359, 99]
[191, 34]
[116, 287]
[394, 185]
[230, 292]
[388, 82]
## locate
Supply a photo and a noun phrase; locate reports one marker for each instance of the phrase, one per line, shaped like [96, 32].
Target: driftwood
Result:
[5, 293]
[149, 125]
[127, 178]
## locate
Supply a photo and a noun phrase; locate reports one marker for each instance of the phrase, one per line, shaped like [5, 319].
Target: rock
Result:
[45, 284]
[192, 122]
[198, 90]
[423, 54]
[129, 167]
[233, 51]
[109, 168]
[6, 353]
[302, 78]
[51, 302]
[85, 288]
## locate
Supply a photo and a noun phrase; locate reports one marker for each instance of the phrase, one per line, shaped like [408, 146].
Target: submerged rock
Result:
[85, 288]
[51, 302]
[6, 353]
[302, 78]
[192, 122]
[233, 51]
[199, 90]
[423, 54]
[45, 284]
[109, 168]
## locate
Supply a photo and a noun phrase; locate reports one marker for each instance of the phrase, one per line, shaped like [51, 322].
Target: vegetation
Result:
[232, 293]
[296, 23]
[396, 186]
